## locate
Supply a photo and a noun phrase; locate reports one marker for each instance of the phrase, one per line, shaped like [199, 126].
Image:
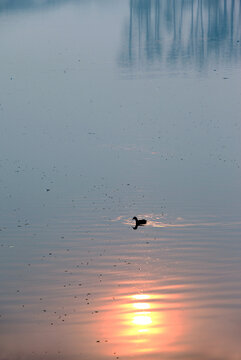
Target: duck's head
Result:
[135, 218]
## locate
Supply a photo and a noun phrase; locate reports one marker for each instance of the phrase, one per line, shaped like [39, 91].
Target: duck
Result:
[140, 222]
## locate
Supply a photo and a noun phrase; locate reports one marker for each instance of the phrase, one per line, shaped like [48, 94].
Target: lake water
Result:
[111, 109]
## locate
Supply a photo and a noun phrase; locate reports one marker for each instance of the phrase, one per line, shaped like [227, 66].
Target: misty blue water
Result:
[109, 110]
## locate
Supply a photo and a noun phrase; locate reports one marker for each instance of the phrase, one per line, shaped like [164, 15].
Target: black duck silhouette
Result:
[140, 222]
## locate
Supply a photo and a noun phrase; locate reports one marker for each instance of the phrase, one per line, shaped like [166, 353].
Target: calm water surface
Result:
[108, 110]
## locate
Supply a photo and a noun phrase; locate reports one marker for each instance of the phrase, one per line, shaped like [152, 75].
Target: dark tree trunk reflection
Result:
[182, 31]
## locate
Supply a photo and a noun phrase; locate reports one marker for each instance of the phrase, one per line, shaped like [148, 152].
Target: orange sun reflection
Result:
[141, 306]
[143, 319]
[144, 323]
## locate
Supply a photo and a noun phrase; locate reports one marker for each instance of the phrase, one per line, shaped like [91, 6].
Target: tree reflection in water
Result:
[181, 32]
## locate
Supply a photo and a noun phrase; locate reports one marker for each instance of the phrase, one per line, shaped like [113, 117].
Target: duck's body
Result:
[140, 222]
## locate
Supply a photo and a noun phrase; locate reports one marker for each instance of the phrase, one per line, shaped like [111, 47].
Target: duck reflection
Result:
[140, 222]
[181, 32]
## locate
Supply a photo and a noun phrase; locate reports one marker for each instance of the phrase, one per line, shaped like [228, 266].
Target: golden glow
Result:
[141, 297]
[141, 306]
[143, 330]
[142, 320]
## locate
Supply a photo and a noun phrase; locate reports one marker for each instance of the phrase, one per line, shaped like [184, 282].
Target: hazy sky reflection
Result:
[109, 110]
